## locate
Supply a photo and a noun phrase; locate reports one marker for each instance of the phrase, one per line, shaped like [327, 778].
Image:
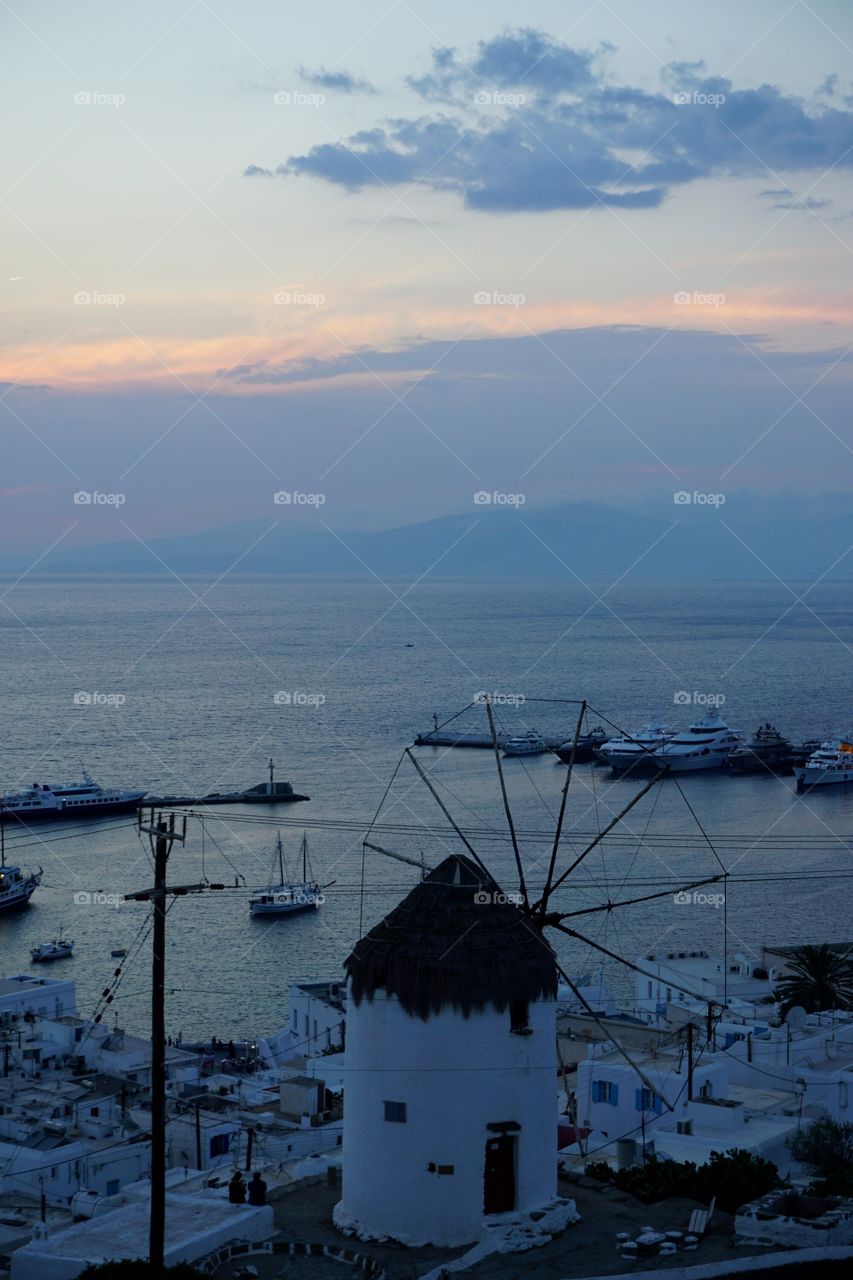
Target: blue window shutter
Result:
[638, 1099]
[730, 1039]
[614, 1094]
[596, 1091]
[658, 1105]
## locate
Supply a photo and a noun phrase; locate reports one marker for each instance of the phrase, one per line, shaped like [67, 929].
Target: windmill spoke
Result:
[448, 815]
[578, 994]
[507, 810]
[552, 864]
[542, 904]
[554, 917]
[629, 964]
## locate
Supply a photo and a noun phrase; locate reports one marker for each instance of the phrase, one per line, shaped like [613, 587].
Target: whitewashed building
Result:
[672, 985]
[24, 996]
[450, 1109]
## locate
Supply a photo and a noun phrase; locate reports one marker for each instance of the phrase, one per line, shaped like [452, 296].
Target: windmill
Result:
[449, 1109]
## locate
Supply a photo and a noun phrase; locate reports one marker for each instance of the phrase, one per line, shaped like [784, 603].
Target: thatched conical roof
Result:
[445, 946]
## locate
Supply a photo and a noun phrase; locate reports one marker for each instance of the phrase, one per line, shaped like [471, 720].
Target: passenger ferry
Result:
[45, 800]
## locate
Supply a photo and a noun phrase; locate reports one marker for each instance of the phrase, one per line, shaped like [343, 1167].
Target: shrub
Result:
[826, 1150]
[734, 1177]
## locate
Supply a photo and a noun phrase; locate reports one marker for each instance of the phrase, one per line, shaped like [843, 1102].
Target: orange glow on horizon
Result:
[130, 361]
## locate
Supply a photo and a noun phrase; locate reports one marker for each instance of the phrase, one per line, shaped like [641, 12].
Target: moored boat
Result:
[527, 744]
[766, 751]
[42, 801]
[289, 896]
[16, 886]
[705, 744]
[636, 751]
[588, 746]
[832, 763]
[58, 949]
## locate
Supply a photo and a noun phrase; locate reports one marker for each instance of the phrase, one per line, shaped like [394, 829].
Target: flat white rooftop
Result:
[19, 982]
[195, 1225]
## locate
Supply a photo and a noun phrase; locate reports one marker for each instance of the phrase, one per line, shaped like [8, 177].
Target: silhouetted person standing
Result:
[257, 1190]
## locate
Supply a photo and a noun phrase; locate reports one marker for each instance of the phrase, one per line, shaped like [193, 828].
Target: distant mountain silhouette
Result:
[747, 538]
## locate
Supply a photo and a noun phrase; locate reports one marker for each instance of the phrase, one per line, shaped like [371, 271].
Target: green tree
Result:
[820, 979]
[826, 1150]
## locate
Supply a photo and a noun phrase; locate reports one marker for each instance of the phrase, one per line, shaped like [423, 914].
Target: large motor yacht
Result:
[636, 751]
[705, 744]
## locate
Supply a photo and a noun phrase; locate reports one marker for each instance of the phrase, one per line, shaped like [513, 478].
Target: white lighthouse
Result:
[450, 1109]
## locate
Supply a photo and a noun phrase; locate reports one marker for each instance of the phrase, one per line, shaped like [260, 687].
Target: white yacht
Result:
[288, 896]
[636, 750]
[705, 744]
[527, 744]
[41, 800]
[832, 762]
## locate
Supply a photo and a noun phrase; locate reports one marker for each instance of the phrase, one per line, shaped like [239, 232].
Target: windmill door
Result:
[499, 1184]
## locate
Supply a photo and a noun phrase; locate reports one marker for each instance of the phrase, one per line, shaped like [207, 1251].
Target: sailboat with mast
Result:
[16, 886]
[289, 896]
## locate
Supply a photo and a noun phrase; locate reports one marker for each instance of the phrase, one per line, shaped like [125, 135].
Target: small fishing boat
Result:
[118, 952]
[16, 886]
[58, 949]
[289, 896]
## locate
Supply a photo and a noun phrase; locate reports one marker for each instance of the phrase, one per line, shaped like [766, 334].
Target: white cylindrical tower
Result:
[450, 1108]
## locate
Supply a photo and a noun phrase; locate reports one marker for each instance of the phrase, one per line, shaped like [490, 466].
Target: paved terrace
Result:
[587, 1249]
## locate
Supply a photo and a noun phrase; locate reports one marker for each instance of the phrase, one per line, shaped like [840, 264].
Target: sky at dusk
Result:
[397, 253]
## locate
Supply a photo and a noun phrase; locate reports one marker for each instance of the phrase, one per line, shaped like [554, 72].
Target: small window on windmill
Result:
[519, 1018]
[395, 1112]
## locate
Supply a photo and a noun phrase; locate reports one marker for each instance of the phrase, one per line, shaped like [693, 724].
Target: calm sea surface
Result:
[199, 673]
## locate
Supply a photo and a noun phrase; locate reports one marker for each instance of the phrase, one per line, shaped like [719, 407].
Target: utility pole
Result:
[689, 1061]
[162, 834]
